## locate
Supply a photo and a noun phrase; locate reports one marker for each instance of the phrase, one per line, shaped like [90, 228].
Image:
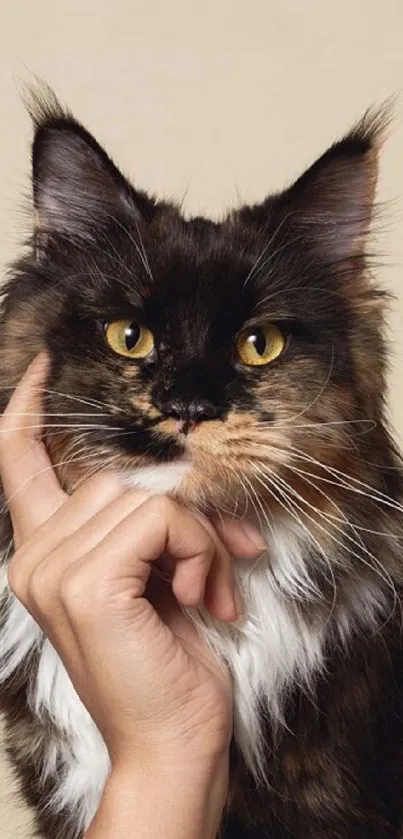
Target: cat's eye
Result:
[129, 338]
[260, 344]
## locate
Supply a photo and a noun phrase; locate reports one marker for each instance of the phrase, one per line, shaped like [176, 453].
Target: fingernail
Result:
[254, 535]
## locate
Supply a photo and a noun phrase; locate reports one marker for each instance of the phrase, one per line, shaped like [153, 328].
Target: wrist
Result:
[190, 764]
[170, 799]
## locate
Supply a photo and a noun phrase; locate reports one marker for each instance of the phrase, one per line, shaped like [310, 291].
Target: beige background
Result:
[218, 101]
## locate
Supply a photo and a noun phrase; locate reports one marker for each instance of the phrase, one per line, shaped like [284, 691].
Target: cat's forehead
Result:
[179, 263]
[201, 246]
[220, 275]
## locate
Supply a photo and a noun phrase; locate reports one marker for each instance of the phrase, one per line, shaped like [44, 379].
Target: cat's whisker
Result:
[60, 426]
[342, 478]
[328, 516]
[306, 585]
[318, 289]
[128, 270]
[140, 249]
[320, 392]
[116, 278]
[56, 414]
[325, 424]
[271, 259]
[382, 573]
[262, 514]
[265, 249]
[93, 403]
[293, 504]
[373, 493]
[242, 479]
[64, 462]
[110, 251]
[306, 476]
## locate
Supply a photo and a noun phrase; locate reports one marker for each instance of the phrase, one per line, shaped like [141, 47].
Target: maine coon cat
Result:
[239, 366]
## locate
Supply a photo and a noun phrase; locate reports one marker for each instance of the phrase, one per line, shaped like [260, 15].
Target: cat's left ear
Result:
[329, 209]
[77, 189]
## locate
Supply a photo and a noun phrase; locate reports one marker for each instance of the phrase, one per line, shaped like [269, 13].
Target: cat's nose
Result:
[193, 410]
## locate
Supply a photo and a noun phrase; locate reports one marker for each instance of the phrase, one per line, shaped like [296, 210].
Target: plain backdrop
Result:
[212, 102]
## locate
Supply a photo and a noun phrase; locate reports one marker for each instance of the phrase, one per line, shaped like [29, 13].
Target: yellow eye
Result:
[129, 338]
[260, 344]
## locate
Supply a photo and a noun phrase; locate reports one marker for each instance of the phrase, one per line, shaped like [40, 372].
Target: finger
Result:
[241, 536]
[214, 585]
[32, 490]
[35, 576]
[70, 528]
[119, 566]
[221, 595]
[121, 502]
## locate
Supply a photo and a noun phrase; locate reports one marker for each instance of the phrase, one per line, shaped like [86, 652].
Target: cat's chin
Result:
[188, 482]
[159, 477]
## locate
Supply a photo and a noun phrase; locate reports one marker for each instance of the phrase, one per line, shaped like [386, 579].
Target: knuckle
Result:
[71, 587]
[37, 588]
[140, 496]
[160, 505]
[78, 595]
[207, 541]
[200, 564]
[101, 482]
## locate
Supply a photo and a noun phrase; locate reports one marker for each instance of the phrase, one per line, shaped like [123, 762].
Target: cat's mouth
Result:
[193, 461]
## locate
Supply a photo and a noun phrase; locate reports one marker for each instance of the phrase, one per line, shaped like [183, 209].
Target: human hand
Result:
[83, 567]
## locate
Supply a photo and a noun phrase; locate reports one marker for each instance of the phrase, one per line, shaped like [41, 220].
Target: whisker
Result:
[306, 477]
[306, 585]
[271, 259]
[265, 249]
[60, 427]
[319, 394]
[383, 574]
[63, 462]
[92, 403]
[325, 424]
[374, 493]
[56, 414]
[342, 477]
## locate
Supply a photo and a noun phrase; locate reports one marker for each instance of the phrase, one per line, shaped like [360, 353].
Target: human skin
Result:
[83, 569]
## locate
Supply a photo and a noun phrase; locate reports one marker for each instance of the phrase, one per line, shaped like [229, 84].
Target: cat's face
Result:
[237, 356]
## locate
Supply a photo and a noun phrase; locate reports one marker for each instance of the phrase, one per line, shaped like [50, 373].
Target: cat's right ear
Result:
[77, 189]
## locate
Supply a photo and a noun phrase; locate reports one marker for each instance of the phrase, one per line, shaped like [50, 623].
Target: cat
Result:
[240, 367]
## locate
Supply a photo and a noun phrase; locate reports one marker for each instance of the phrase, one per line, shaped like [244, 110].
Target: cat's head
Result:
[239, 357]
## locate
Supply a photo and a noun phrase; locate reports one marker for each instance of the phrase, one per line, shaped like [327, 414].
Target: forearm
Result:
[145, 804]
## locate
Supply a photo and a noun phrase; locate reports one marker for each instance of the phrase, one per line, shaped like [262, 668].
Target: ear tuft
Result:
[77, 189]
[332, 203]
[372, 129]
[41, 103]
